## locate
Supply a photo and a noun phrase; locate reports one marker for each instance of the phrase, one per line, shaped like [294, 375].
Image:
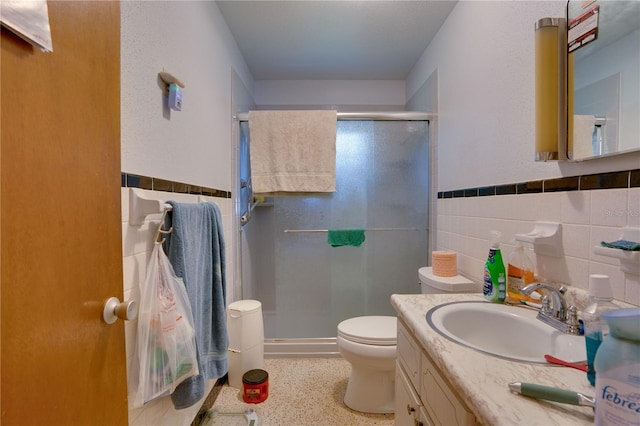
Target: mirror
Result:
[603, 78]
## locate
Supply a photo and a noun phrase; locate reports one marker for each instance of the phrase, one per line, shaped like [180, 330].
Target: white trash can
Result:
[246, 339]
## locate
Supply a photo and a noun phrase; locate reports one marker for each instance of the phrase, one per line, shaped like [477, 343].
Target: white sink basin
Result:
[504, 331]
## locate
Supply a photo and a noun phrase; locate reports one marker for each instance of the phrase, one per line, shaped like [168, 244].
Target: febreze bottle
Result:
[618, 370]
[495, 283]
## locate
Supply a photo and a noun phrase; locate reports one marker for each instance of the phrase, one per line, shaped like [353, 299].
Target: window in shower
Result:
[306, 286]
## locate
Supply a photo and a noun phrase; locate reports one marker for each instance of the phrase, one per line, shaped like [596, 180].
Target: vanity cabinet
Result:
[409, 410]
[423, 394]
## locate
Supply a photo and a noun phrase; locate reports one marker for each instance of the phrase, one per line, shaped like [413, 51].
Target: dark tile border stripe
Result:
[129, 180]
[611, 180]
[634, 179]
[561, 184]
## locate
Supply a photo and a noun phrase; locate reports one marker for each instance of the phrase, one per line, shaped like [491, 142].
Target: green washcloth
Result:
[345, 237]
[623, 245]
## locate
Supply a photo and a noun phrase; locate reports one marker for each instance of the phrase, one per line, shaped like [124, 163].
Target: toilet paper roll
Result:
[444, 263]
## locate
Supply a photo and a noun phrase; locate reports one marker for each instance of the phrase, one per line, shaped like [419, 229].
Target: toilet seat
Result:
[371, 330]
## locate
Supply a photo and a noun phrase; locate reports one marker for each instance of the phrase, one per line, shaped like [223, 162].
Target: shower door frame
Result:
[326, 347]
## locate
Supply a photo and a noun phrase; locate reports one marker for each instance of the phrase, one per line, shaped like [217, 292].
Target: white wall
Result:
[191, 40]
[345, 94]
[194, 146]
[484, 54]
[484, 59]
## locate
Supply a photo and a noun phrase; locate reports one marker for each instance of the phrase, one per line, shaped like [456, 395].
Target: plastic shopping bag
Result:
[166, 345]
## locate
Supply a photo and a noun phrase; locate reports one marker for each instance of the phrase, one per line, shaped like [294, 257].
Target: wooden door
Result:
[61, 232]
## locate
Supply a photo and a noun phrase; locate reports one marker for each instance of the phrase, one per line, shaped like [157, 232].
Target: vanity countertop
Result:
[481, 380]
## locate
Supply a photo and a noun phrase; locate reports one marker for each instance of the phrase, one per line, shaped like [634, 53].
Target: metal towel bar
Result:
[317, 231]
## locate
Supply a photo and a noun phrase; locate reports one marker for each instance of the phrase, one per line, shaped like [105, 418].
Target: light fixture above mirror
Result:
[551, 89]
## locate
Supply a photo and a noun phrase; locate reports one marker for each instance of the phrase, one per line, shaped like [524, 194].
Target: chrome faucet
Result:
[555, 312]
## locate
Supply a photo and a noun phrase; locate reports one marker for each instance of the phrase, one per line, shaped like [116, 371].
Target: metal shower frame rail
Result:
[370, 116]
[341, 116]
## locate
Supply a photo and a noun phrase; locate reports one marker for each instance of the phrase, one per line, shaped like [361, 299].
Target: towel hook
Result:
[160, 230]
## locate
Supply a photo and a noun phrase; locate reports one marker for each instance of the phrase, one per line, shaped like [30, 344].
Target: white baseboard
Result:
[301, 348]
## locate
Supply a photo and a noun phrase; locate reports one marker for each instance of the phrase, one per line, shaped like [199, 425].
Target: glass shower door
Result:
[382, 187]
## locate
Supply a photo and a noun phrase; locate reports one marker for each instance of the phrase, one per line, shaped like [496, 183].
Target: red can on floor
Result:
[255, 384]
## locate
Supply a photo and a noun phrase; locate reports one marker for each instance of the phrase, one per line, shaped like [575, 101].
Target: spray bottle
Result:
[494, 286]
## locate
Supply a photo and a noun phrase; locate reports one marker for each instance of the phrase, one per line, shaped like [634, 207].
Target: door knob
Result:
[114, 309]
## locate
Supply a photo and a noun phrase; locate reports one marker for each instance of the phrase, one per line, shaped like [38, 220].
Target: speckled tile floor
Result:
[302, 392]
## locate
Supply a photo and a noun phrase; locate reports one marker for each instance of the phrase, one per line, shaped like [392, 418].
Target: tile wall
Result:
[137, 243]
[591, 209]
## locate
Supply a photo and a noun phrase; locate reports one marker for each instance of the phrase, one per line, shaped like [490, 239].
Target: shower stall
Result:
[305, 285]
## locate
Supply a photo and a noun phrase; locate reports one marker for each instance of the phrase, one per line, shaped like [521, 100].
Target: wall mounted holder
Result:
[172, 89]
[168, 79]
[546, 238]
[141, 206]
[629, 260]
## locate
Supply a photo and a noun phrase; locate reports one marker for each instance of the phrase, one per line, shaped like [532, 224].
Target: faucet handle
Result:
[573, 324]
[546, 305]
[572, 315]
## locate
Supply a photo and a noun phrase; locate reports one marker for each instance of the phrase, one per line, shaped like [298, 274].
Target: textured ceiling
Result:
[333, 39]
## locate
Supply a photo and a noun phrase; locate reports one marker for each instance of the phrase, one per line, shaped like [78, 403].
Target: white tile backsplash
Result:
[575, 240]
[609, 207]
[547, 208]
[137, 243]
[633, 214]
[587, 218]
[632, 289]
[576, 207]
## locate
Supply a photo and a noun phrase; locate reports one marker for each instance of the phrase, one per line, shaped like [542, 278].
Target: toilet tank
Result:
[432, 284]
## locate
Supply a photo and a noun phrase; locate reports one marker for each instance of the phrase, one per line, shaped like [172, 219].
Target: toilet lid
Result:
[373, 330]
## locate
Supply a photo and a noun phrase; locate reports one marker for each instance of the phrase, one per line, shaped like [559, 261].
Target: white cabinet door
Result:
[440, 400]
[407, 403]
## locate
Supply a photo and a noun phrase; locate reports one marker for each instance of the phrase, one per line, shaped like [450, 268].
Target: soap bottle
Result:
[519, 274]
[617, 396]
[595, 328]
[494, 285]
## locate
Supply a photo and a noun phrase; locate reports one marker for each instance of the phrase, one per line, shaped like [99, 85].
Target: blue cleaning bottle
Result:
[595, 328]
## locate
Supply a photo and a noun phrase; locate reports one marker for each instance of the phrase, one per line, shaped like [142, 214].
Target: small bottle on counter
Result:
[595, 328]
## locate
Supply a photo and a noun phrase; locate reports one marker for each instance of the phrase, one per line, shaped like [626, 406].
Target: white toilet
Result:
[432, 284]
[369, 344]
